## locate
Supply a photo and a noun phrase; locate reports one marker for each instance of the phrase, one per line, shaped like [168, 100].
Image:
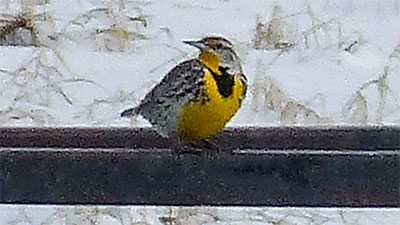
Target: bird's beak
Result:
[197, 44]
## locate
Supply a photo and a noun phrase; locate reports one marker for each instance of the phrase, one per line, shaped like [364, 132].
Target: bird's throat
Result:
[223, 79]
[211, 60]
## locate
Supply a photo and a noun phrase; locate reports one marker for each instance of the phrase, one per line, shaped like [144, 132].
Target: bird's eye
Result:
[219, 45]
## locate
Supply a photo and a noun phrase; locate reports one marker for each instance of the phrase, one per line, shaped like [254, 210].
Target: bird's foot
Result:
[204, 148]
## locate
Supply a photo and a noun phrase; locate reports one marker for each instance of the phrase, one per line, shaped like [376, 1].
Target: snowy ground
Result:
[150, 215]
[308, 63]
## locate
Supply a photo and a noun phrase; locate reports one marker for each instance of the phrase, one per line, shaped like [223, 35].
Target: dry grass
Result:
[295, 113]
[267, 97]
[112, 29]
[279, 34]
[116, 33]
[33, 88]
[145, 215]
[39, 82]
[396, 51]
[19, 30]
[94, 111]
[356, 110]
[271, 36]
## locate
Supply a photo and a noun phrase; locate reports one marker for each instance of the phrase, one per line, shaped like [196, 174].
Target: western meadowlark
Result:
[196, 99]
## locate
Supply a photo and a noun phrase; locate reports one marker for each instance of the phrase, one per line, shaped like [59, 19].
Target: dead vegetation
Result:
[396, 52]
[33, 87]
[273, 35]
[107, 29]
[162, 215]
[31, 90]
[95, 110]
[268, 97]
[103, 28]
[120, 25]
[356, 111]
[26, 29]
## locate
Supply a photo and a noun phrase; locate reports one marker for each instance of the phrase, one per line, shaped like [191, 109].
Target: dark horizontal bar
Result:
[357, 167]
[253, 178]
[338, 138]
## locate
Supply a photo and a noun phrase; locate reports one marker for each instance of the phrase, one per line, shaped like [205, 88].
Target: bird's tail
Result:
[129, 112]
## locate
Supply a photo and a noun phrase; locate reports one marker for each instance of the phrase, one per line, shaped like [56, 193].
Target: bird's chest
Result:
[203, 119]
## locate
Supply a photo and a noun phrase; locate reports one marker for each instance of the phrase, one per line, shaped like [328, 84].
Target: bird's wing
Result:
[180, 86]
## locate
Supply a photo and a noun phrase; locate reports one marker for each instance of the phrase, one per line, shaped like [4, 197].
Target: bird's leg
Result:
[207, 145]
[210, 149]
[204, 148]
[183, 148]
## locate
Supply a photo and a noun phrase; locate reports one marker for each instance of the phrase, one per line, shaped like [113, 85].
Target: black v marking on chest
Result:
[225, 81]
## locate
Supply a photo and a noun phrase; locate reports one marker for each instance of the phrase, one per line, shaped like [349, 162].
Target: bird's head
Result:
[217, 52]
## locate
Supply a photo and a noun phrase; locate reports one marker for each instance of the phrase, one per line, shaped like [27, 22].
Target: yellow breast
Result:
[199, 121]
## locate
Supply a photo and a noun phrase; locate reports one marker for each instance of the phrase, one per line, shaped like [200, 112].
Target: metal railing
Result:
[292, 166]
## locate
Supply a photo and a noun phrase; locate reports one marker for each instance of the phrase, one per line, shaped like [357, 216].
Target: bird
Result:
[199, 96]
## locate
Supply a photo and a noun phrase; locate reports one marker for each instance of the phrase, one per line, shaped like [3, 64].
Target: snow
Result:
[95, 58]
[107, 61]
[152, 215]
